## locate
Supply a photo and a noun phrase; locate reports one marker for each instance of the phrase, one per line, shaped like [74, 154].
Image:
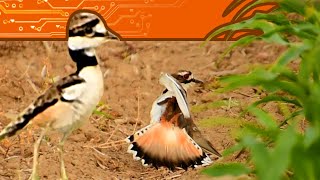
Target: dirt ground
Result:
[96, 151]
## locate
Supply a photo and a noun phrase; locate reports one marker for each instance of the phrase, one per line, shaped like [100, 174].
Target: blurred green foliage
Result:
[287, 152]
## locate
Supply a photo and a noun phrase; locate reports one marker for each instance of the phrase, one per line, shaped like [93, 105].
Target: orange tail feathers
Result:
[163, 144]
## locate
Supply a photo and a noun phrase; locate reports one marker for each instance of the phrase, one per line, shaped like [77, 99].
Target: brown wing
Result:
[48, 99]
[197, 136]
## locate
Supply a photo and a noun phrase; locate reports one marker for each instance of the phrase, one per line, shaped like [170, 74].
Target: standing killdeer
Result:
[170, 140]
[186, 80]
[68, 103]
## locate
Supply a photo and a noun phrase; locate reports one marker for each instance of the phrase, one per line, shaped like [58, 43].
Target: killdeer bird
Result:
[68, 103]
[168, 141]
[186, 80]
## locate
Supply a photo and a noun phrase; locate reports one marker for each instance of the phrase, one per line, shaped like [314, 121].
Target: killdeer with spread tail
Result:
[171, 140]
[68, 103]
[186, 80]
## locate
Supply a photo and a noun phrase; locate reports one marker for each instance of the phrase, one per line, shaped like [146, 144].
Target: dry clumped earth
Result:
[131, 70]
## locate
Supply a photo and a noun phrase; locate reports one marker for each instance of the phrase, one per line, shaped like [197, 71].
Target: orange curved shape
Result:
[131, 19]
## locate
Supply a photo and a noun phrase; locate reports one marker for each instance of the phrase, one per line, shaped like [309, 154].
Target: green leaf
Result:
[260, 155]
[297, 6]
[241, 42]
[234, 169]
[294, 114]
[233, 149]
[292, 88]
[244, 10]
[257, 77]
[282, 153]
[258, 131]
[264, 118]
[276, 98]
[100, 113]
[275, 17]
[252, 24]
[284, 73]
[291, 53]
[306, 30]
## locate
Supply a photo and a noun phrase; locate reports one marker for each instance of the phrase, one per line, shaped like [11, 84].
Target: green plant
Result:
[282, 153]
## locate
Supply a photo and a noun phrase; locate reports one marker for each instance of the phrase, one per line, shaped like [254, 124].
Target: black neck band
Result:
[82, 59]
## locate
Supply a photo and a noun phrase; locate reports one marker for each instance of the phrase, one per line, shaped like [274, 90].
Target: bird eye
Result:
[186, 76]
[88, 31]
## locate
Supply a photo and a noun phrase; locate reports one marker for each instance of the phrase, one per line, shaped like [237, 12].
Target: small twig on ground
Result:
[21, 145]
[125, 133]
[47, 47]
[143, 173]
[229, 103]
[99, 152]
[11, 157]
[174, 176]
[112, 144]
[108, 143]
[24, 73]
[115, 129]
[101, 165]
[99, 159]
[34, 87]
[96, 119]
[240, 153]
[244, 94]
[26, 170]
[8, 147]
[154, 177]
[2, 150]
[106, 73]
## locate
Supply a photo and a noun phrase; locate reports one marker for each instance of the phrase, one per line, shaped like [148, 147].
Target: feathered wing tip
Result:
[22, 120]
[12, 128]
[164, 144]
[203, 142]
[207, 145]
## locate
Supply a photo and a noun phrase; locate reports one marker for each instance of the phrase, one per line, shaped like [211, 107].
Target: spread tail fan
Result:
[163, 144]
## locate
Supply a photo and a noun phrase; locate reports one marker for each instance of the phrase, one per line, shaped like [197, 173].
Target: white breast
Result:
[88, 96]
[157, 110]
[94, 85]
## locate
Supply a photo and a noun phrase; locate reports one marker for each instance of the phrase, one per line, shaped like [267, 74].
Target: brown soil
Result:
[131, 85]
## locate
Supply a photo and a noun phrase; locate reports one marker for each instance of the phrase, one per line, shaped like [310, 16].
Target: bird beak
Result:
[110, 35]
[197, 81]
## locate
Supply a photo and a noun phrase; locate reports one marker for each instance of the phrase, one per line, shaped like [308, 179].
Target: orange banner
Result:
[131, 19]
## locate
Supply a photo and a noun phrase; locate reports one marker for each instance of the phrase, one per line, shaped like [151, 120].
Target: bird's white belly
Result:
[82, 108]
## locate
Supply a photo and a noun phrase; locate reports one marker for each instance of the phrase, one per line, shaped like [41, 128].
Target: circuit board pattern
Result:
[131, 19]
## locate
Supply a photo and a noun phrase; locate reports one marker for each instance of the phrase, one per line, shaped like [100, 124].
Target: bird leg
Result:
[60, 150]
[34, 175]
